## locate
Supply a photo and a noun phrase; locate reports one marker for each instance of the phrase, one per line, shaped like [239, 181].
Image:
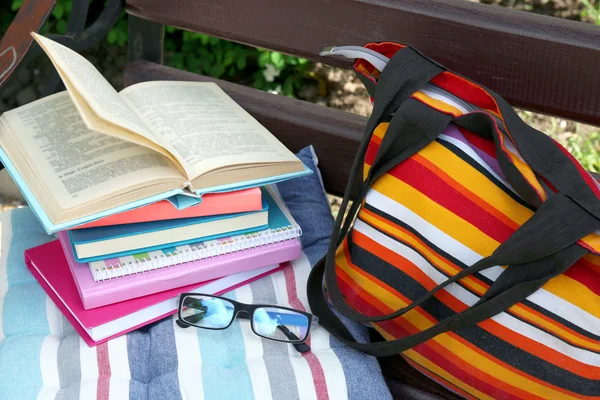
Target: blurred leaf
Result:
[288, 86]
[229, 57]
[121, 38]
[67, 5]
[232, 71]
[193, 62]
[16, 4]
[277, 59]
[58, 11]
[61, 26]
[263, 59]
[111, 38]
[240, 62]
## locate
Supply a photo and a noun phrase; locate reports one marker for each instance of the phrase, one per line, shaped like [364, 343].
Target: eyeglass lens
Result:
[280, 324]
[269, 322]
[207, 312]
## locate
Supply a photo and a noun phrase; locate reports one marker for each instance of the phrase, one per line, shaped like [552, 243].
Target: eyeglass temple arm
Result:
[301, 347]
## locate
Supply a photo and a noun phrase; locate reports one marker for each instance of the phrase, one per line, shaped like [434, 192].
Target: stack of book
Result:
[162, 188]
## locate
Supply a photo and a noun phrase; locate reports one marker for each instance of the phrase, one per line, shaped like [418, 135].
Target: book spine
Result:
[195, 252]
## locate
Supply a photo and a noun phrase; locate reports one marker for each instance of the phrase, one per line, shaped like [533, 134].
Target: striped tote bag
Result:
[473, 244]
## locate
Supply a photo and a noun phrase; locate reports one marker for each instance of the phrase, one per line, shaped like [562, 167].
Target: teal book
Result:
[282, 228]
[92, 244]
[90, 151]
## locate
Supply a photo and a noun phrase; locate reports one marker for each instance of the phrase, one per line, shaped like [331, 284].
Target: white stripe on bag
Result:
[448, 244]
[469, 298]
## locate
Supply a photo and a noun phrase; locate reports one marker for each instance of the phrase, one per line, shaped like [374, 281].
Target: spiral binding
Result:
[198, 251]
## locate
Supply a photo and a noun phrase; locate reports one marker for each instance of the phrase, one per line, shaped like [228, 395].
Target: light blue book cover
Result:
[99, 234]
[177, 197]
[282, 227]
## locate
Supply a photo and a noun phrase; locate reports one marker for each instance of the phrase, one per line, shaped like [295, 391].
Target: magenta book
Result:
[49, 266]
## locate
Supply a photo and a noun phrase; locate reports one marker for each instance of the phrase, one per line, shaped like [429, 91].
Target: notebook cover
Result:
[119, 231]
[282, 226]
[238, 201]
[50, 227]
[96, 294]
[48, 265]
[79, 236]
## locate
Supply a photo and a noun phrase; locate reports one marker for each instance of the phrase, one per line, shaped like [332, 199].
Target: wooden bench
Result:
[536, 62]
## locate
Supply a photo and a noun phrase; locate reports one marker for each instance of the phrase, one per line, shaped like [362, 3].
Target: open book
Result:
[91, 151]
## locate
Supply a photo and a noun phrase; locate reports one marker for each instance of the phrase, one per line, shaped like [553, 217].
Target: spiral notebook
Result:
[282, 227]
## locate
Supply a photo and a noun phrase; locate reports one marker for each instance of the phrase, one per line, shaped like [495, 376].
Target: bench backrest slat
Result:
[541, 63]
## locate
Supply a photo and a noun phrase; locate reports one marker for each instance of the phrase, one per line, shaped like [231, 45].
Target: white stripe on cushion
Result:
[468, 298]
[89, 371]
[254, 351]
[304, 379]
[541, 297]
[189, 363]
[48, 367]
[119, 368]
[320, 338]
[5, 239]
[54, 318]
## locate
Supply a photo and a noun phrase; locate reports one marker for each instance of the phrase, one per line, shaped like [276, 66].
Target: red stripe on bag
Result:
[434, 352]
[431, 185]
[582, 271]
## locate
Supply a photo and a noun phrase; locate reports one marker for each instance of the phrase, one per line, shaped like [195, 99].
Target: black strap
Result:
[479, 312]
[541, 249]
[405, 73]
[425, 126]
[548, 160]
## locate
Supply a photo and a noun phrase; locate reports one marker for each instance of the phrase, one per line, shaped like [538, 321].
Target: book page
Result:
[81, 76]
[203, 127]
[74, 164]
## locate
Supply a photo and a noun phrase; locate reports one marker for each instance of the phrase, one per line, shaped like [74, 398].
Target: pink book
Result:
[96, 294]
[49, 266]
[212, 204]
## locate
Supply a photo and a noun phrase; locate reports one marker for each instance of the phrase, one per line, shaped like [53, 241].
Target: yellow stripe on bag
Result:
[428, 365]
[437, 104]
[475, 182]
[445, 220]
[447, 341]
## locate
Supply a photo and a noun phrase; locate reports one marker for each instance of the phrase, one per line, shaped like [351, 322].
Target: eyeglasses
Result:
[268, 321]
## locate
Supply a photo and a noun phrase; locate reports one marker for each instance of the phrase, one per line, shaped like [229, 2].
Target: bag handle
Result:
[506, 291]
[475, 314]
[558, 223]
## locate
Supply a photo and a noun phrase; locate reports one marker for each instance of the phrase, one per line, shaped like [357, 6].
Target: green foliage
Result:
[585, 148]
[260, 68]
[590, 11]
[56, 23]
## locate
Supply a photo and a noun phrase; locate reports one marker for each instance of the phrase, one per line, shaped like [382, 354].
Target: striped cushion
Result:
[41, 356]
[433, 215]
